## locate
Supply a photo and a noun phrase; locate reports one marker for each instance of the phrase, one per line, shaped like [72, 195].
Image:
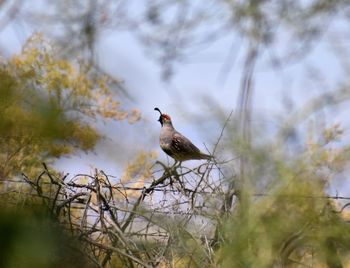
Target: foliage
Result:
[294, 222]
[47, 107]
[31, 238]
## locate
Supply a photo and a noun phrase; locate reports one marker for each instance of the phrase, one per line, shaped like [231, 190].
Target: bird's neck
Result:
[168, 125]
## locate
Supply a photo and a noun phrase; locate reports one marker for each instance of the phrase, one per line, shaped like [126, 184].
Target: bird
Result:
[176, 145]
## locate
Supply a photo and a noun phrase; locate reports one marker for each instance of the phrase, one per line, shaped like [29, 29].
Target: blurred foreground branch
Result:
[177, 216]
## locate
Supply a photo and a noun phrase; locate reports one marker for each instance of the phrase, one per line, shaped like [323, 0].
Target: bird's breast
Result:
[164, 143]
[164, 139]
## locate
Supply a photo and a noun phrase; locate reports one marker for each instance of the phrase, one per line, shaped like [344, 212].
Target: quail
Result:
[175, 144]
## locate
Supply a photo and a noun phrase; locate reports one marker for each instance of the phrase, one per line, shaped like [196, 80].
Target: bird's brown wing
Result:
[181, 144]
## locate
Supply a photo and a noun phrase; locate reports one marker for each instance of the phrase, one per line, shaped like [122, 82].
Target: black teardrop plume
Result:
[157, 109]
[160, 120]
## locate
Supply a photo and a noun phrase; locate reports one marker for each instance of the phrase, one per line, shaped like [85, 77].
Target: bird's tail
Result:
[207, 156]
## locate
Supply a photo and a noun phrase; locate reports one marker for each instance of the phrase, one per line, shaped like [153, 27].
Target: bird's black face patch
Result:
[160, 120]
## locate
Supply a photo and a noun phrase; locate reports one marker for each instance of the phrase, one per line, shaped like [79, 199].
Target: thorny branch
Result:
[137, 225]
[117, 220]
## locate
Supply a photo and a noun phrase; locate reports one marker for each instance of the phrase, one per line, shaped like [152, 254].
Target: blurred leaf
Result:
[47, 108]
